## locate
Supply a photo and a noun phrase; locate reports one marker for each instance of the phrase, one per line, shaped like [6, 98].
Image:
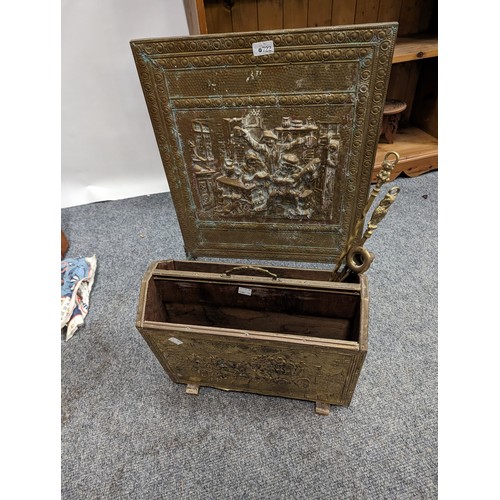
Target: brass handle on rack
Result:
[250, 268]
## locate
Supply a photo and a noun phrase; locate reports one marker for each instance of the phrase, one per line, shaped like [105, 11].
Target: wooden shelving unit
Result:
[414, 71]
[417, 151]
[414, 48]
[414, 81]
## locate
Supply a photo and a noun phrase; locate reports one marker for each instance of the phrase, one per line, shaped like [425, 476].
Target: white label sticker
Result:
[175, 341]
[263, 48]
[245, 291]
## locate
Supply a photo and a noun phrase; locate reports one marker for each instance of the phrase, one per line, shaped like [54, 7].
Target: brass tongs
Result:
[355, 258]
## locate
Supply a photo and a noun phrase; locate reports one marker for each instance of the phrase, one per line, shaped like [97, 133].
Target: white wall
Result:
[108, 146]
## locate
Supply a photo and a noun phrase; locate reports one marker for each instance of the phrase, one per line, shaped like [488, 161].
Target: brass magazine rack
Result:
[268, 141]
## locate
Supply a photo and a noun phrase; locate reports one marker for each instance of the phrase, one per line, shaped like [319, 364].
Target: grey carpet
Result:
[128, 432]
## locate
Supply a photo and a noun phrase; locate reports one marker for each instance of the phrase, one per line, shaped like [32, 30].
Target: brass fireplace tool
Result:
[356, 258]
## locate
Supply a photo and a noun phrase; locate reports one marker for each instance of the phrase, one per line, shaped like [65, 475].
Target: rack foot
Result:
[193, 389]
[322, 408]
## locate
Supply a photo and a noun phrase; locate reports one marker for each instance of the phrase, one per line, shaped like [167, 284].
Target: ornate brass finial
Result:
[358, 258]
[380, 212]
[385, 172]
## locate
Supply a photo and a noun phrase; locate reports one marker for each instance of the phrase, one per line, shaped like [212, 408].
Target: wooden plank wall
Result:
[414, 16]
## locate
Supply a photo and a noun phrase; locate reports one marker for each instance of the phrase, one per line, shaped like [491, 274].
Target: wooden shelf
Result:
[418, 153]
[414, 48]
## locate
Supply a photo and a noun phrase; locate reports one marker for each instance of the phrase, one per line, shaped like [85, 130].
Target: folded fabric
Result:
[77, 278]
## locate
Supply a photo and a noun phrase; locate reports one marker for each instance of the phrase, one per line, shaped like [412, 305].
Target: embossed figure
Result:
[231, 170]
[331, 163]
[269, 146]
[288, 167]
[332, 158]
[253, 166]
[303, 192]
[230, 187]
[293, 183]
[256, 177]
[283, 188]
[231, 197]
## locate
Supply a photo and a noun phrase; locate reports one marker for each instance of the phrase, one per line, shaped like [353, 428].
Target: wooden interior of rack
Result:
[414, 72]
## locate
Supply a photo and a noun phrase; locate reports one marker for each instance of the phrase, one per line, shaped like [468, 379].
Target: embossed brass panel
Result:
[314, 373]
[268, 157]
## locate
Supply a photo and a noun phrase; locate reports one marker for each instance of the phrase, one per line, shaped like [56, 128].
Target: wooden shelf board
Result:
[418, 153]
[414, 48]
